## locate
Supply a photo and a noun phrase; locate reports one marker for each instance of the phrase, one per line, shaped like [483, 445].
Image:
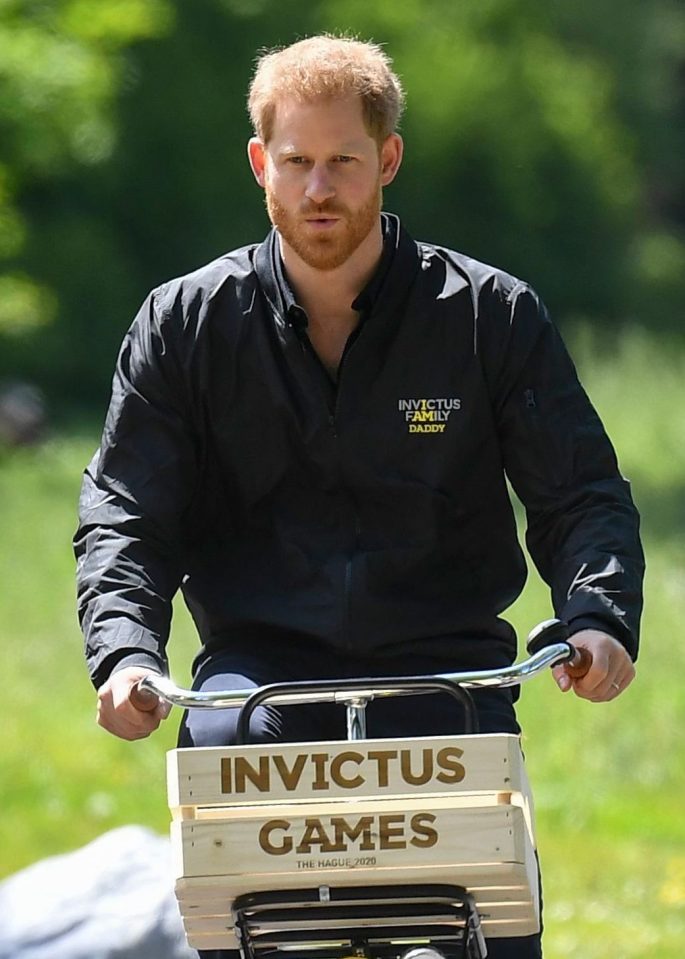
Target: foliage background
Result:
[541, 135]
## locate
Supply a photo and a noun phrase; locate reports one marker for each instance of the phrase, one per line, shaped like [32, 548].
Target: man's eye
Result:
[296, 160]
[343, 158]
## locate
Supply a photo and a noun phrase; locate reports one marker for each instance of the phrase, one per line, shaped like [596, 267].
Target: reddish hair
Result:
[327, 67]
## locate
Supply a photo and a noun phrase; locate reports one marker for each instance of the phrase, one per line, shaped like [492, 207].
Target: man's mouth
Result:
[322, 222]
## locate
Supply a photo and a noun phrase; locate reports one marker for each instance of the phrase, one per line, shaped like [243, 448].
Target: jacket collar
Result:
[383, 293]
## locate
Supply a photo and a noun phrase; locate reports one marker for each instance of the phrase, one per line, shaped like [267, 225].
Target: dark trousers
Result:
[427, 715]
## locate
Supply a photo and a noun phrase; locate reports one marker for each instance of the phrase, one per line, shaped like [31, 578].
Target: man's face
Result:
[323, 176]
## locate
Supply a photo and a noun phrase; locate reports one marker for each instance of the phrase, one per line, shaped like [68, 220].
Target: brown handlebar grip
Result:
[580, 663]
[143, 699]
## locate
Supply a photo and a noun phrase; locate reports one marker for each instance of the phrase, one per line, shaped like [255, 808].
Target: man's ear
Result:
[391, 158]
[256, 154]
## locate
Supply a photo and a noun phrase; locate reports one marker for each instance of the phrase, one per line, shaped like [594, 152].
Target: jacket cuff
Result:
[138, 659]
[123, 659]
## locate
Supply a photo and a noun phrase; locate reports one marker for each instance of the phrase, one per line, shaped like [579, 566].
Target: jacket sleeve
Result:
[582, 525]
[135, 491]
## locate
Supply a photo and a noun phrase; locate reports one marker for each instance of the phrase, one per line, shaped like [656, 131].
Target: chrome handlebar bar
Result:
[153, 687]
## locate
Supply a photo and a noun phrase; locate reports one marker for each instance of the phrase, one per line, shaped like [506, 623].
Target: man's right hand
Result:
[117, 714]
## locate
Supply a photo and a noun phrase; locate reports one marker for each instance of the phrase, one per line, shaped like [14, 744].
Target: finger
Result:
[596, 682]
[136, 705]
[614, 685]
[162, 711]
[619, 683]
[124, 729]
[125, 721]
[596, 694]
[585, 686]
[562, 678]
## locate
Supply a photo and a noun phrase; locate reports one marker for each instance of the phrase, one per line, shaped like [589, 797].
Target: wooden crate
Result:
[449, 809]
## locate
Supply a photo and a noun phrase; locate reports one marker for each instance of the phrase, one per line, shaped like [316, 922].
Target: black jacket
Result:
[373, 516]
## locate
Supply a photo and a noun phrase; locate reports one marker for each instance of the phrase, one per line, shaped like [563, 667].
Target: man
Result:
[311, 436]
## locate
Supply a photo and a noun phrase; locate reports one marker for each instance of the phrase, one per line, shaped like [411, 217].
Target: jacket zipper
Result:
[332, 422]
[347, 641]
[347, 595]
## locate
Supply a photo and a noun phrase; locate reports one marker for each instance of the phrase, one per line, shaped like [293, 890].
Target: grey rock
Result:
[22, 414]
[112, 899]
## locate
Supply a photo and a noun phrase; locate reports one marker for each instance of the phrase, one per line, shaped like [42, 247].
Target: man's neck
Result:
[331, 293]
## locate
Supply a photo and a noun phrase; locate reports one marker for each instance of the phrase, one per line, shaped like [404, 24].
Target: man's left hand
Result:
[611, 672]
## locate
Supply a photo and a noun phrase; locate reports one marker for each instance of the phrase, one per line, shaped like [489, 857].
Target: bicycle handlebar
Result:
[149, 690]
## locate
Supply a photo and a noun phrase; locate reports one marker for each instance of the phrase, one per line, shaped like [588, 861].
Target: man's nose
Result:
[319, 185]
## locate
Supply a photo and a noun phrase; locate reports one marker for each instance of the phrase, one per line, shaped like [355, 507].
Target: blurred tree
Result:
[61, 69]
[643, 49]
[176, 191]
[540, 135]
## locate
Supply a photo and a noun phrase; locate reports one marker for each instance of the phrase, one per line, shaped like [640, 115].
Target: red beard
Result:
[326, 250]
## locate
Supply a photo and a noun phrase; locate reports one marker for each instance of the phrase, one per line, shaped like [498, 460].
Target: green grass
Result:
[64, 781]
[608, 780]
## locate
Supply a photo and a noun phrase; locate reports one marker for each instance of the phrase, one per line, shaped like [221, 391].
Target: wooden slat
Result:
[516, 882]
[495, 912]
[343, 770]
[495, 930]
[336, 807]
[519, 918]
[487, 878]
[196, 905]
[394, 834]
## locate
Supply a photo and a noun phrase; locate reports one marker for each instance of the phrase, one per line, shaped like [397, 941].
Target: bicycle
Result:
[435, 836]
